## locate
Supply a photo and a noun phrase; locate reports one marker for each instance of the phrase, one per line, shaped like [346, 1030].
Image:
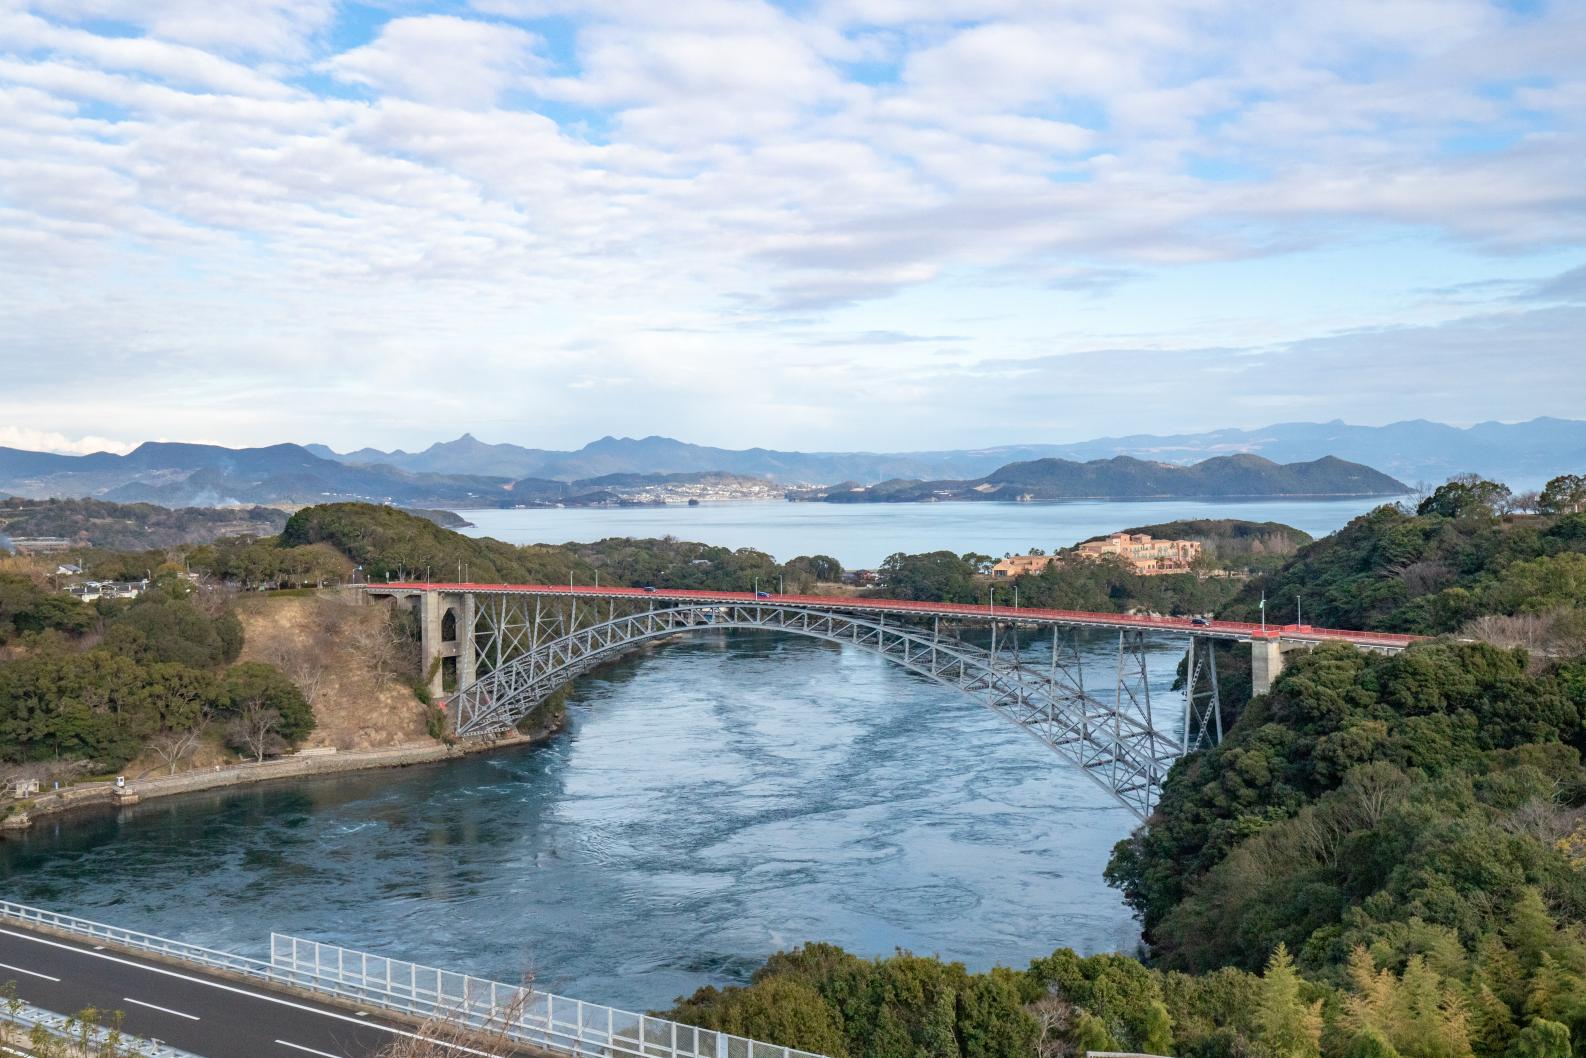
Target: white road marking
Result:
[162, 1010]
[308, 1050]
[30, 973]
[242, 992]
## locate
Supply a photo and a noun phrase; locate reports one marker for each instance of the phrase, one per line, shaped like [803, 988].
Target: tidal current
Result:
[712, 800]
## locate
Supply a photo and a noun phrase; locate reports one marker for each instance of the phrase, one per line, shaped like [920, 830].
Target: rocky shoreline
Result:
[304, 764]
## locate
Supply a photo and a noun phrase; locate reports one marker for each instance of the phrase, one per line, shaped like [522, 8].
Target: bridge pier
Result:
[467, 620]
[435, 645]
[1266, 663]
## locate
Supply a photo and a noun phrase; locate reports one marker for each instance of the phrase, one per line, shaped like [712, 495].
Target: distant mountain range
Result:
[470, 473]
[1127, 478]
[189, 475]
[1521, 453]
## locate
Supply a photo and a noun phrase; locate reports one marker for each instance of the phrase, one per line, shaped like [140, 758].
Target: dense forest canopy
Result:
[102, 683]
[132, 526]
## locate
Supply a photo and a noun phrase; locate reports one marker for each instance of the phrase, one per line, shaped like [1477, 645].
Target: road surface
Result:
[186, 1006]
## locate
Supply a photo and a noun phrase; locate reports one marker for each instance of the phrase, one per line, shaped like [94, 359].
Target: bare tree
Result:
[305, 667]
[173, 747]
[379, 644]
[256, 729]
[1053, 1014]
[214, 598]
[1425, 577]
[450, 1037]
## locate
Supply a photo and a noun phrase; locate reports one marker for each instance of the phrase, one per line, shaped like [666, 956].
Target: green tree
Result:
[1370, 1043]
[937, 576]
[255, 684]
[1288, 1026]
[781, 1009]
[1541, 1039]
[1565, 494]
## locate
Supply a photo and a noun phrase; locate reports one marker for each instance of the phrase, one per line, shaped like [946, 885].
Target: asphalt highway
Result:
[186, 1007]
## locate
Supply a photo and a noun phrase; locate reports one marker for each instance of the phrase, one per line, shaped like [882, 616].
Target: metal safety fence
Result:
[554, 1022]
[17, 1020]
[131, 938]
[524, 1014]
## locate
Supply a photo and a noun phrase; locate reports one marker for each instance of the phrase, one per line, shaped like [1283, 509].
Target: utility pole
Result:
[1263, 611]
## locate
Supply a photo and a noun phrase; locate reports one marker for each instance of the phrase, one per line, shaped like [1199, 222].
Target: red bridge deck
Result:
[1236, 630]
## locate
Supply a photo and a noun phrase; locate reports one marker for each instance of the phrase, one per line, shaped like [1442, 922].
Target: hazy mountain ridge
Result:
[1126, 478]
[178, 475]
[1415, 450]
[191, 475]
[470, 473]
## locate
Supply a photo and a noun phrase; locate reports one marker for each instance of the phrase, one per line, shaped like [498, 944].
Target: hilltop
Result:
[1127, 478]
[132, 526]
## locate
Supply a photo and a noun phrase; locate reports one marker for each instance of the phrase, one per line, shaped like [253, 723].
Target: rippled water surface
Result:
[712, 801]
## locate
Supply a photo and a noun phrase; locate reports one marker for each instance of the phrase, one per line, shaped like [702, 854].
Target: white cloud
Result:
[275, 28]
[45, 441]
[441, 59]
[676, 194]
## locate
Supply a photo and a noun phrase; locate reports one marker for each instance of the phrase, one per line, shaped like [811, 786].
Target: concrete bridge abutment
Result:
[1266, 662]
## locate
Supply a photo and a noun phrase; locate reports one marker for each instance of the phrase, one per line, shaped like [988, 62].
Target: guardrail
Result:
[557, 1023]
[27, 1017]
[551, 1021]
[131, 938]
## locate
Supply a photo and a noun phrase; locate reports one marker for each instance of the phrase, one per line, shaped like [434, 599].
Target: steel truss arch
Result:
[1116, 744]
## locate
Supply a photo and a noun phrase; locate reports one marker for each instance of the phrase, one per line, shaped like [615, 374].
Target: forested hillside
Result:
[1385, 858]
[87, 688]
[1124, 477]
[1463, 556]
[132, 526]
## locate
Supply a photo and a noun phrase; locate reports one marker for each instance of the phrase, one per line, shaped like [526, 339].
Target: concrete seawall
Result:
[300, 765]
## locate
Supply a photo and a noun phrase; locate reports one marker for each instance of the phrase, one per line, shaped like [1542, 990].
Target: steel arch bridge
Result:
[1117, 742]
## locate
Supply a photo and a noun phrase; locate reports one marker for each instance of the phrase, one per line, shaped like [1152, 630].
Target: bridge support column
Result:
[1266, 662]
[467, 619]
[430, 648]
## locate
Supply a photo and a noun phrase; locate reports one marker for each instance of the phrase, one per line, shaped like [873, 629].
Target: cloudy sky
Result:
[878, 224]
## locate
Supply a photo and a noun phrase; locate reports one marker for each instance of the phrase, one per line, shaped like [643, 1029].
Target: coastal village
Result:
[1144, 555]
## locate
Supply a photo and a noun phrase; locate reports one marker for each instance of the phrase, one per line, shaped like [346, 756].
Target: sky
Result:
[816, 224]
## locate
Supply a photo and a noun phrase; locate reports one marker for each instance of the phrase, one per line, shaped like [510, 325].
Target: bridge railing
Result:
[558, 1023]
[134, 940]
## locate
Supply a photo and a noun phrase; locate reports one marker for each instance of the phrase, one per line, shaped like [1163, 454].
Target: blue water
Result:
[713, 801]
[861, 535]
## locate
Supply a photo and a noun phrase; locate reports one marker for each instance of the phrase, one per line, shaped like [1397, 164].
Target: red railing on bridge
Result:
[1223, 629]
